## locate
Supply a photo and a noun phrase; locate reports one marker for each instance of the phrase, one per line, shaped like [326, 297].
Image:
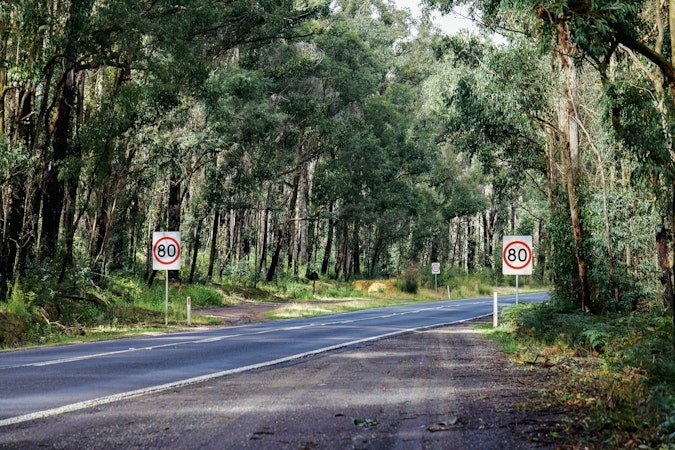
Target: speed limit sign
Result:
[166, 250]
[517, 255]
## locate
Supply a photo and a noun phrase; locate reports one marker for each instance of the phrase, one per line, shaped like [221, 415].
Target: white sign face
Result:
[517, 255]
[435, 268]
[166, 250]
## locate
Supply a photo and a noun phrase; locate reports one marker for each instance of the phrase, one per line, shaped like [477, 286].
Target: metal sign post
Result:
[517, 288]
[166, 256]
[435, 270]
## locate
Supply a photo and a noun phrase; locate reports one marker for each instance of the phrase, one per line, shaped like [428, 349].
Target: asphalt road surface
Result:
[49, 381]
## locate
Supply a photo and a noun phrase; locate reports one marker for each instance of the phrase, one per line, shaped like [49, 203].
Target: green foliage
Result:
[21, 303]
[630, 213]
[635, 379]
[621, 339]
[410, 279]
[560, 263]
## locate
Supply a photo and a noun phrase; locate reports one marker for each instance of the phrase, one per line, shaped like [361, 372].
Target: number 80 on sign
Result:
[517, 255]
[166, 250]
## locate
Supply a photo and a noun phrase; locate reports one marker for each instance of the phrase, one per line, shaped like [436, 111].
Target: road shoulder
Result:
[442, 388]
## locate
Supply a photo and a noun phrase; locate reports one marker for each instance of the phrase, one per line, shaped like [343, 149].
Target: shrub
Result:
[410, 279]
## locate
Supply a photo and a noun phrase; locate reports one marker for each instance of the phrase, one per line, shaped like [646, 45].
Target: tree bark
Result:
[664, 266]
[356, 249]
[489, 226]
[262, 267]
[195, 250]
[281, 232]
[214, 243]
[570, 129]
[329, 240]
[470, 245]
[174, 212]
[54, 189]
[13, 230]
[70, 194]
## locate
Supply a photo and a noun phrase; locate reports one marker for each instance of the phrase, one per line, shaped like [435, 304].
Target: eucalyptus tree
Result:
[629, 44]
[82, 81]
[369, 180]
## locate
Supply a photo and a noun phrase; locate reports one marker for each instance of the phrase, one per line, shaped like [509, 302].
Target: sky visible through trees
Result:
[338, 138]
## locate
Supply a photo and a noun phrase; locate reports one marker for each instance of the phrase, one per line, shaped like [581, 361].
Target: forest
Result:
[343, 139]
[339, 139]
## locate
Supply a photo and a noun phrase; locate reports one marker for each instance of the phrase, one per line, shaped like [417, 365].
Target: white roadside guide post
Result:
[166, 256]
[516, 260]
[495, 310]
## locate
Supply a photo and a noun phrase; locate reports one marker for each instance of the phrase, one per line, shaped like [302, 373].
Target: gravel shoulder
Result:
[445, 388]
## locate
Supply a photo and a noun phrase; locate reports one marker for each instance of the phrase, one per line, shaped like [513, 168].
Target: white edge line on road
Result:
[189, 381]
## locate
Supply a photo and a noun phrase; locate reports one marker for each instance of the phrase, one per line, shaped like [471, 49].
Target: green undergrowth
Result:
[40, 311]
[612, 374]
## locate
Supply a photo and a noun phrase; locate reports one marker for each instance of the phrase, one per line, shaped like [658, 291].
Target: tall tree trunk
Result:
[342, 257]
[70, 194]
[262, 267]
[356, 249]
[105, 184]
[489, 226]
[195, 250]
[12, 229]
[301, 224]
[174, 211]
[281, 232]
[329, 240]
[304, 213]
[345, 255]
[541, 255]
[271, 272]
[377, 249]
[433, 248]
[470, 244]
[664, 265]
[570, 129]
[54, 189]
[20, 126]
[214, 243]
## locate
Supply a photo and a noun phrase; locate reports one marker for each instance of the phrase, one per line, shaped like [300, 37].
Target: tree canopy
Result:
[343, 138]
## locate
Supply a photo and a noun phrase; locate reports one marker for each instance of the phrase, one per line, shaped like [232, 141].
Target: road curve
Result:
[48, 381]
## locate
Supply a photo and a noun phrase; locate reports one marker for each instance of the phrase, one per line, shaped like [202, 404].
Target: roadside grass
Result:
[122, 305]
[613, 375]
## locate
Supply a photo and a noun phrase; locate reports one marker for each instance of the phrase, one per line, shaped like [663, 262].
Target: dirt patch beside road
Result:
[446, 388]
[241, 313]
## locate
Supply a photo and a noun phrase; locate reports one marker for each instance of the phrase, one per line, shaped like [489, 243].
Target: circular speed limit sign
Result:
[166, 250]
[517, 255]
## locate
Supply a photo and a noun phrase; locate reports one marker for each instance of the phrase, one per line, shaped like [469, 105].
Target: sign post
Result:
[435, 270]
[517, 257]
[166, 256]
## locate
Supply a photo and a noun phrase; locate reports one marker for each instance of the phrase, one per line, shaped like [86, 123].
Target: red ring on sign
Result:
[529, 255]
[158, 259]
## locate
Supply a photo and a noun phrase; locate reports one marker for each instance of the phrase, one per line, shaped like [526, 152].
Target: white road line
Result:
[219, 338]
[190, 381]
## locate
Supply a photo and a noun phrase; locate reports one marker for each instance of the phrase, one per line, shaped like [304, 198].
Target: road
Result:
[49, 381]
